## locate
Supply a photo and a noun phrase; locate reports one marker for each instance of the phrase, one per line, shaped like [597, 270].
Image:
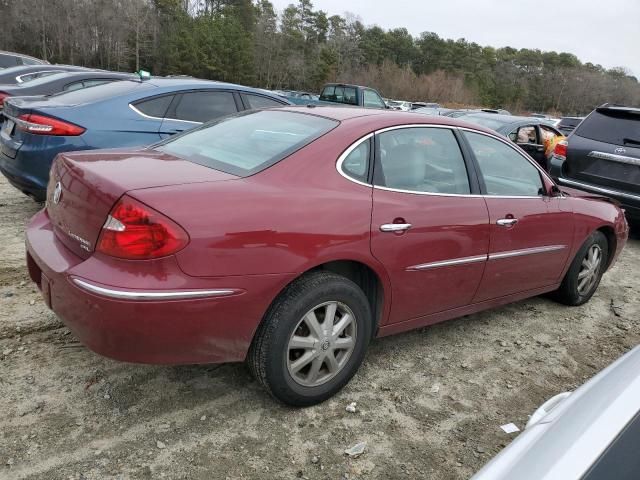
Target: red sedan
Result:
[290, 238]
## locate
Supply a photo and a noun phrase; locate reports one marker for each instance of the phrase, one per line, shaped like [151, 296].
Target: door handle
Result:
[395, 227]
[507, 222]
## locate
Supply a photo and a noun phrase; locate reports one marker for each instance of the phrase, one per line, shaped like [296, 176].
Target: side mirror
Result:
[554, 191]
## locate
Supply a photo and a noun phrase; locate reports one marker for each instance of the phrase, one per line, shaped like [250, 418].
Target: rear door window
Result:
[340, 94]
[155, 107]
[610, 126]
[248, 142]
[70, 87]
[258, 101]
[204, 106]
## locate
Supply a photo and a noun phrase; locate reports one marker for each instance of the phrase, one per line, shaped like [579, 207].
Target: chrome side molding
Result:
[526, 251]
[483, 258]
[612, 157]
[448, 263]
[153, 295]
[596, 189]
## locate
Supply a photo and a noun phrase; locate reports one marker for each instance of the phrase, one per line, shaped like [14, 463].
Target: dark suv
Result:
[602, 155]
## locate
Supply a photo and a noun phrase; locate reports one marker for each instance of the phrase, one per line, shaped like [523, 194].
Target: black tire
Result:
[268, 355]
[569, 293]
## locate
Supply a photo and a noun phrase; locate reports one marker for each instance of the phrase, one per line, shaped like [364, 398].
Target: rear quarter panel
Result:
[296, 215]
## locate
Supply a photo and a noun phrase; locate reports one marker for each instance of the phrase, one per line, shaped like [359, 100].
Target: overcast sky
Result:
[605, 32]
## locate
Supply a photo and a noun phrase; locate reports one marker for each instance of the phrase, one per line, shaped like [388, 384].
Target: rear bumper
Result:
[26, 163]
[31, 185]
[629, 201]
[148, 312]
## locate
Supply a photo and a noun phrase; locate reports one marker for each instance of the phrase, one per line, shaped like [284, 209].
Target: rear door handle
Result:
[395, 227]
[507, 222]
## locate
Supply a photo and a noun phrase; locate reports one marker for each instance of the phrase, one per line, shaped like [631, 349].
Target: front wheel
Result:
[312, 340]
[586, 270]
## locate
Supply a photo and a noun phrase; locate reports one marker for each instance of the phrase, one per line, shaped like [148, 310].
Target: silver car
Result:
[590, 434]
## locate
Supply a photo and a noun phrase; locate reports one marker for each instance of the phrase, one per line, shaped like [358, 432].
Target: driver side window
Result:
[505, 172]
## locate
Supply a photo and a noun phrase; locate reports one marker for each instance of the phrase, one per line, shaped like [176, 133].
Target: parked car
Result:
[569, 124]
[12, 59]
[602, 155]
[336, 94]
[534, 136]
[126, 113]
[417, 105]
[432, 111]
[25, 73]
[590, 434]
[261, 238]
[296, 97]
[399, 105]
[60, 82]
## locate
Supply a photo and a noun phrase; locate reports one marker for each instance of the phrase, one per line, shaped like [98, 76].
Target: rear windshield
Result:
[99, 92]
[249, 142]
[611, 126]
[340, 94]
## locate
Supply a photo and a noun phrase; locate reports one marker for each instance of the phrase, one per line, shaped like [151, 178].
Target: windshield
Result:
[249, 142]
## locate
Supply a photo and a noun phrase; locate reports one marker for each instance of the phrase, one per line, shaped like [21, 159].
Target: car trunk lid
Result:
[605, 149]
[84, 186]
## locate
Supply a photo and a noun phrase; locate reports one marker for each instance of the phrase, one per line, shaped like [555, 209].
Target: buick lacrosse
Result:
[289, 238]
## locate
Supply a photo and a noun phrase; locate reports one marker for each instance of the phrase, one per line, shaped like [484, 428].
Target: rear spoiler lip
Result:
[618, 108]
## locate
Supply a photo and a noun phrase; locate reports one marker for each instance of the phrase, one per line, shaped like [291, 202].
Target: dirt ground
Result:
[429, 403]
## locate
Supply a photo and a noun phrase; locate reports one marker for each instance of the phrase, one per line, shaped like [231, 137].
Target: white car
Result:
[590, 434]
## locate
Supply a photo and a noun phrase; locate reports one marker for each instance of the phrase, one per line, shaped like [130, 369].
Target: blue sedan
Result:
[119, 114]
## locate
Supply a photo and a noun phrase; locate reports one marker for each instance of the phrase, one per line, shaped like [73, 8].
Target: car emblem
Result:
[57, 193]
[621, 151]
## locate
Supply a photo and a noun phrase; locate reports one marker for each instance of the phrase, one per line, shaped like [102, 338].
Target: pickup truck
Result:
[343, 94]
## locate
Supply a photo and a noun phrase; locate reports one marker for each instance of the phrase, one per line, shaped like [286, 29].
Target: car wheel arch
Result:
[612, 242]
[373, 281]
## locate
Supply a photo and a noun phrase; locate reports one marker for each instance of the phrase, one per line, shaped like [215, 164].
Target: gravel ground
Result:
[429, 402]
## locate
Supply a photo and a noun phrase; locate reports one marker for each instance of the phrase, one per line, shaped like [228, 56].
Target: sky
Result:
[596, 31]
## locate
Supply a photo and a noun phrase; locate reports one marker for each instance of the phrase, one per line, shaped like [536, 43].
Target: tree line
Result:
[249, 42]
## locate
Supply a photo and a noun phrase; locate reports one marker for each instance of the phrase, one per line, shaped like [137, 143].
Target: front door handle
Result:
[507, 222]
[395, 227]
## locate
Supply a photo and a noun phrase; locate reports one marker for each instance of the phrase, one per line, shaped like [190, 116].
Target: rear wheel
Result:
[312, 340]
[585, 272]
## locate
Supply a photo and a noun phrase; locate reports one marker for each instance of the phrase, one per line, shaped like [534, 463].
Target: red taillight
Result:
[561, 149]
[3, 97]
[42, 125]
[135, 231]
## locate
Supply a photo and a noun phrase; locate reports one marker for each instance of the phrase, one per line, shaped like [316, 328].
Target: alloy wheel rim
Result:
[589, 270]
[321, 344]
